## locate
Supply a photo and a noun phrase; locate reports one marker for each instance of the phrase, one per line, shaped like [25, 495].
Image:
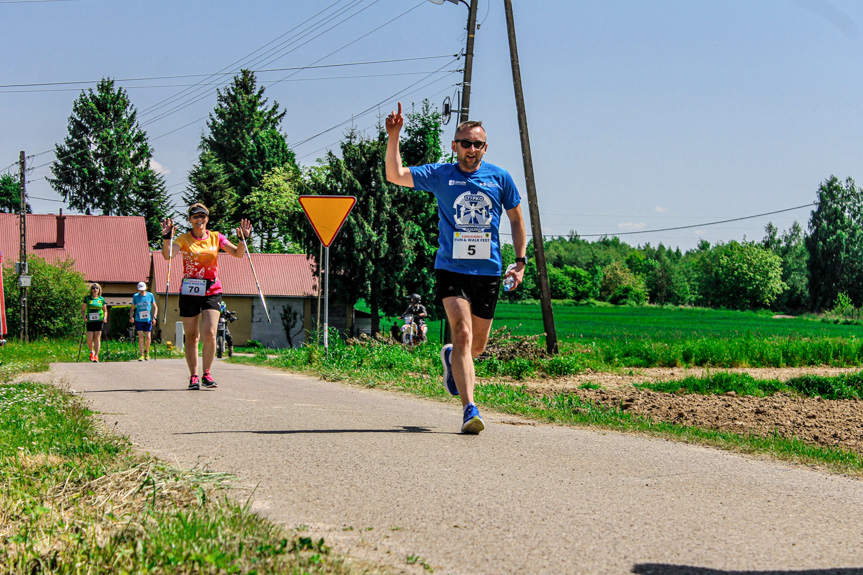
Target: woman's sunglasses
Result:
[466, 144]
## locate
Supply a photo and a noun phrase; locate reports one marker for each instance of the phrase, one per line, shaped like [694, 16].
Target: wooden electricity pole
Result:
[22, 258]
[535, 225]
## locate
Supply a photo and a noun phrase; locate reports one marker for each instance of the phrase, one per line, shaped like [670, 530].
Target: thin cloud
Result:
[632, 226]
[660, 209]
[158, 168]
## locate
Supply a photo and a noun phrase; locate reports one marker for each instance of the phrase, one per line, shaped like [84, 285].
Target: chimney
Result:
[61, 231]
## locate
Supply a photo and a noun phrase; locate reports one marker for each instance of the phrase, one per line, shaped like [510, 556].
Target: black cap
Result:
[199, 210]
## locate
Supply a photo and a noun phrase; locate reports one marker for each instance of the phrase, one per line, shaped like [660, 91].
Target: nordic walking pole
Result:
[81, 343]
[260, 291]
[168, 282]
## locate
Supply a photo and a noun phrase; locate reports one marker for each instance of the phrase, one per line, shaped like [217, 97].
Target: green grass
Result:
[601, 322]
[37, 355]
[846, 386]
[76, 499]
[604, 337]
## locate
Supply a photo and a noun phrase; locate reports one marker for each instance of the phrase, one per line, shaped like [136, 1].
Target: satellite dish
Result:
[447, 111]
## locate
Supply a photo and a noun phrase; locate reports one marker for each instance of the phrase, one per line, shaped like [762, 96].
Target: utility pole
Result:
[23, 283]
[464, 109]
[535, 225]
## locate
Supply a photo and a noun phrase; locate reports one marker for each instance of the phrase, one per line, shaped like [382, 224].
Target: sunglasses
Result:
[198, 216]
[466, 144]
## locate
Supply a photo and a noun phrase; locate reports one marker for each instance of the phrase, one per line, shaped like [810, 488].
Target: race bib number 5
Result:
[194, 287]
[471, 246]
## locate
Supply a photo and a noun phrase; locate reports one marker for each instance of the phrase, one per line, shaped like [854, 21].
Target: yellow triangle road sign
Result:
[327, 214]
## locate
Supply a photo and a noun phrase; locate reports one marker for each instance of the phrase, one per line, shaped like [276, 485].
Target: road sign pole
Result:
[327, 214]
[327, 301]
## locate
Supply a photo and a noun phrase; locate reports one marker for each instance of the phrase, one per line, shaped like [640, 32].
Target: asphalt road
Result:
[386, 476]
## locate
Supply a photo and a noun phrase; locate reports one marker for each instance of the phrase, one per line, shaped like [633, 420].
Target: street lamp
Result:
[464, 107]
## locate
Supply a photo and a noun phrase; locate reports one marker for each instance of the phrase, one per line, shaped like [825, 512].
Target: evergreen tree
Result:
[104, 161]
[421, 144]
[154, 205]
[10, 195]
[209, 185]
[244, 138]
[835, 244]
[375, 251]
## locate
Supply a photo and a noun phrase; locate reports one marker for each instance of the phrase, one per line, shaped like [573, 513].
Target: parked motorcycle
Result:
[412, 332]
[224, 341]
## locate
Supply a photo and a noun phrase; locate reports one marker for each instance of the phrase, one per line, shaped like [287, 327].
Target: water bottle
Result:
[508, 282]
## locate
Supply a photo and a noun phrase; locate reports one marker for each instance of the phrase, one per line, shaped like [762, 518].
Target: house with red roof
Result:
[113, 251]
[290, 289]
[110, 250]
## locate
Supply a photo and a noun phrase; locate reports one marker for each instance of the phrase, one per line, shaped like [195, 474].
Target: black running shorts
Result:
[481, 291]
[94, 325]
[193, 305]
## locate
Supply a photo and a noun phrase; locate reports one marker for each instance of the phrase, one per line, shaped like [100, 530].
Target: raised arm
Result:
[167, 238]
[396, 172]
[244, 231]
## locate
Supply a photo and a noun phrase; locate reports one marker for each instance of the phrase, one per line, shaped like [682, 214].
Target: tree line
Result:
[795, 270]
[386, 250]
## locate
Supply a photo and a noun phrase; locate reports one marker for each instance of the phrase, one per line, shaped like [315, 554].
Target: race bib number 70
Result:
[471, 246]
[194, 287]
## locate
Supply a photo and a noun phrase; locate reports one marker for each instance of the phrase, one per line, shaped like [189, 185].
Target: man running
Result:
[143, 314]
[471, 196]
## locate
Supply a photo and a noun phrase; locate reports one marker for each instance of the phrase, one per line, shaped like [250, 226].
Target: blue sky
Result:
[642, 115]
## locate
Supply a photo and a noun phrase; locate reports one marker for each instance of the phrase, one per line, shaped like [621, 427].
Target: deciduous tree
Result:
[835, 244]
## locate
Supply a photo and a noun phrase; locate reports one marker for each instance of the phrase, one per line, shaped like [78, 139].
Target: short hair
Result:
[469, 125]
[197, 208]
[97, 286]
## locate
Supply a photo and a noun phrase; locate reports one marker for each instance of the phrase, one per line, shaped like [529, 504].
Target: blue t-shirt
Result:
[469, 207]
[142, 306]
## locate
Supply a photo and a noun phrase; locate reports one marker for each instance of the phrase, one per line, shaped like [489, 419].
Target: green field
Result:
[594, 323]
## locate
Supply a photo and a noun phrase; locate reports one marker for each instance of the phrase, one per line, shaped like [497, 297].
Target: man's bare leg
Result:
[469, 337]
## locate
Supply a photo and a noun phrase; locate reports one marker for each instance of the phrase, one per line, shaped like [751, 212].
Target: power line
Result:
[257, 71]
[32, 1]
[681, 227]
[191, 99]
[230, 66]
[319, 78]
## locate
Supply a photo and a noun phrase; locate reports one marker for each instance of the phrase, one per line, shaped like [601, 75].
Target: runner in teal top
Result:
[143, 314]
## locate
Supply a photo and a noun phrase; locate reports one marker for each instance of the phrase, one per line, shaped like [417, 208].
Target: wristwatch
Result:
[522, 260]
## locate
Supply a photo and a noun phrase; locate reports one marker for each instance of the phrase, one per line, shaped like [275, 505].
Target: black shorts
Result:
[193, 305]
[481, 291]
[94, 325]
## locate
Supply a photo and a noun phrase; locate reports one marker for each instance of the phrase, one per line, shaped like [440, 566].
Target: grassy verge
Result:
[77, 499]
[848, 386]
[38, 355]
[417, 371]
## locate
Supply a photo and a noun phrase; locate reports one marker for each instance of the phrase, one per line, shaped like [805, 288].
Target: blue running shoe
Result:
[473, 423]
[448, 379]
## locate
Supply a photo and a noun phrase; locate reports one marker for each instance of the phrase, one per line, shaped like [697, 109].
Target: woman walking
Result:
[95, 312]
[201, 290]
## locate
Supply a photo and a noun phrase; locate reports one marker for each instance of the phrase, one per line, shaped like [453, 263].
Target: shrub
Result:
[53, 300]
